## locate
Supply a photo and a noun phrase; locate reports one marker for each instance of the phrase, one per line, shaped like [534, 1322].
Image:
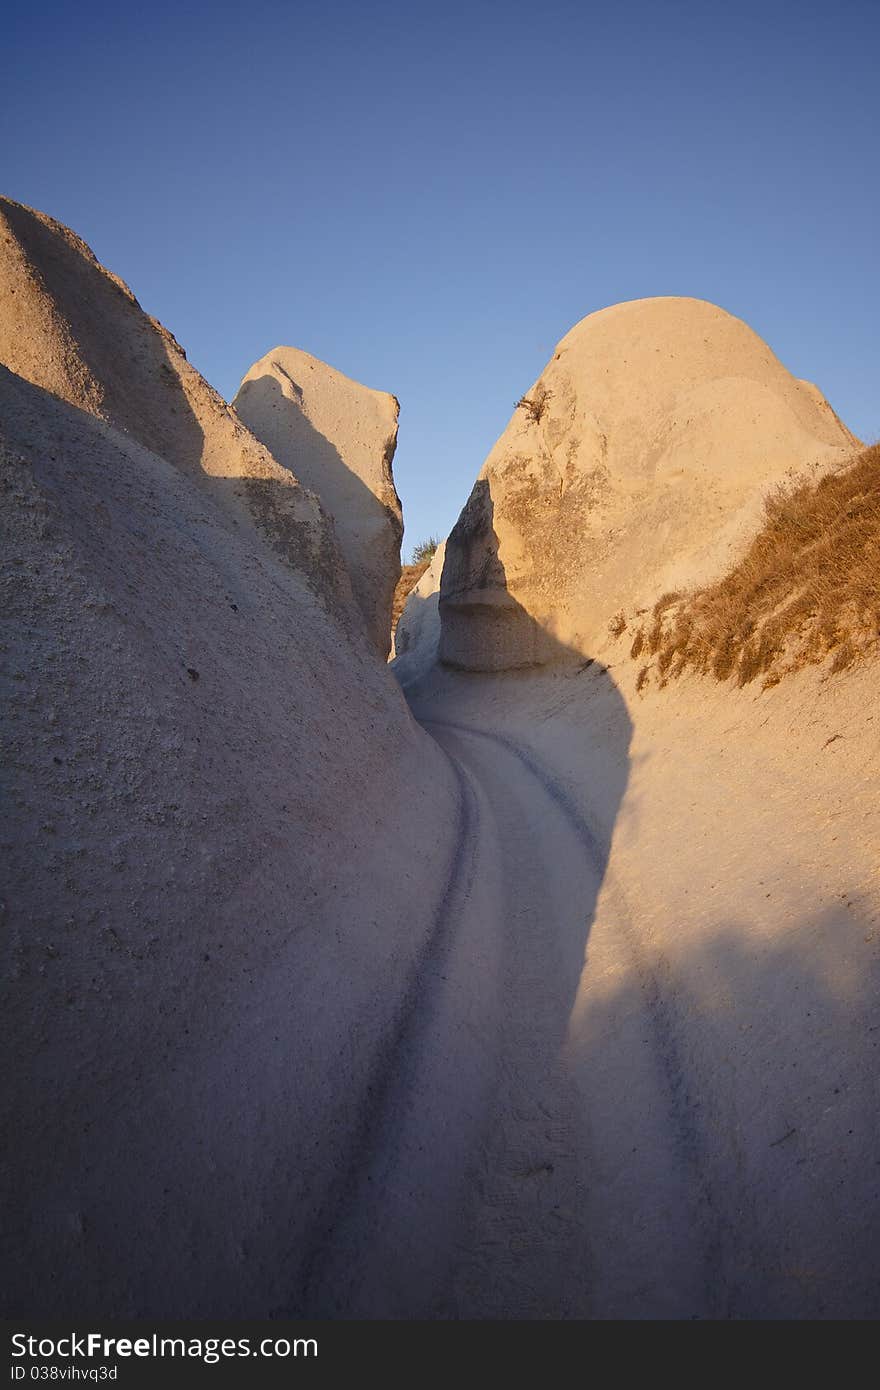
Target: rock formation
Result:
[74, 329]
[310, 1014]
[418, 629]
[338, 438]
[206, 945]
[635, 464]
[409, 578]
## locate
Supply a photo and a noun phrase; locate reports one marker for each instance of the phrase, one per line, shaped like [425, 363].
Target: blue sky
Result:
[429, 196]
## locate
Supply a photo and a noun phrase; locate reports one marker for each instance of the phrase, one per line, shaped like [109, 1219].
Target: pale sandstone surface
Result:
[418, 631]
[637, 465]
[72, 327]
[562, 1005]
[338, 438]
[219, 894]
[687, 1122]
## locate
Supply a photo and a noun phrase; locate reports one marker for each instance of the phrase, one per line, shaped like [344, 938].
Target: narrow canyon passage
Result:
[566, 1134]
[533, 976]
[471, 1200]
[510, 1172]
[587, 1198]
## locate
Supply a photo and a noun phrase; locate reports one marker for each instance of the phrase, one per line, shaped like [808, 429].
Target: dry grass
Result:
[808, 586]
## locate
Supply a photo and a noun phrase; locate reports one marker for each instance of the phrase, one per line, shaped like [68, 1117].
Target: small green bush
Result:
[424, 551]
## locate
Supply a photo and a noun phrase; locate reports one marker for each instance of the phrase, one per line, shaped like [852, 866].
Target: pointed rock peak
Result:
[338, 437]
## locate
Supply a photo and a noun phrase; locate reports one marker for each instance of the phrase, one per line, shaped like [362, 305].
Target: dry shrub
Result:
[808, 585]
[642, 678]
[424, 552]
[655, 636]
[535, 406]
[665, 658]
[617, 626]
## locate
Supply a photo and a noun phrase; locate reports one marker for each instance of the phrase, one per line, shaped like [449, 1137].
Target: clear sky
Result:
[428, 196]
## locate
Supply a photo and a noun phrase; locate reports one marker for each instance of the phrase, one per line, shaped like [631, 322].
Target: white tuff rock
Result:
[338, 438]
[636, 464]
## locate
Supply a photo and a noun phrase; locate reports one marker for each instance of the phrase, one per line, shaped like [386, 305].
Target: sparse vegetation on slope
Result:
[808, 587]
[423, 553]
[535, 405]
[409, 578]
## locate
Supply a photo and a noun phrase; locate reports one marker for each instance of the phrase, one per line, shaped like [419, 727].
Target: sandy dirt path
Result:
[497, 1174]
[554, 1231]
[605, 1112]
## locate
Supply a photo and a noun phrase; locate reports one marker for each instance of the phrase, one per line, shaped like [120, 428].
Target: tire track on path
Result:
[701, 1221]
[355, 1265]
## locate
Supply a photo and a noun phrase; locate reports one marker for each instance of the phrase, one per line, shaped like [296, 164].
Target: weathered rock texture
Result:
[213, 816]
[409, 578]
[338, 438]
[308, 1014]
[418, 628]
[73, 328]
[636, 464]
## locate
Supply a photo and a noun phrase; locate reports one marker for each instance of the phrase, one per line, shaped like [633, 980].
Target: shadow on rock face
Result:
[74, 331]
[543, 735]
[368, 527]
[483, 627]
[684, 1125]
[540, 739]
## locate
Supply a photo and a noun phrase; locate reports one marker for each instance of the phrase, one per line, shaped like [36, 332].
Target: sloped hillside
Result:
[806, 589]
[685, 1124]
